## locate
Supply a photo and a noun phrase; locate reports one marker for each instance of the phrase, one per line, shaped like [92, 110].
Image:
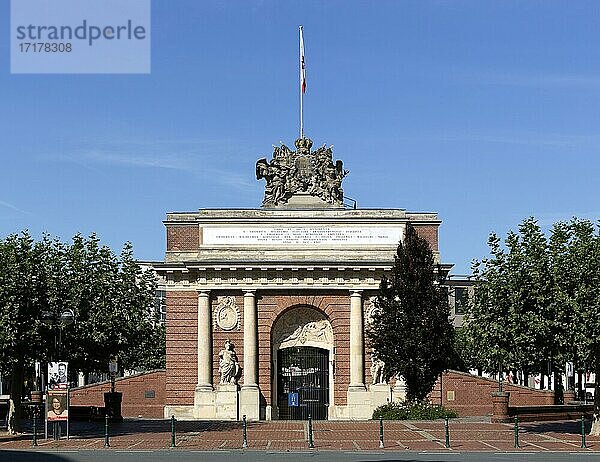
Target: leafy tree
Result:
[411, 331]
[109, 295]
[510, 320]
[537, 299]
[576, 255]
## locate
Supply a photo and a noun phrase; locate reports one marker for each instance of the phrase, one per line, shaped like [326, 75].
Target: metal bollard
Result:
[34, 442]
[244, 433]
[311, 444]
[172, 431]
[447, 428]
[583, 432]
[106, 442]
[381, 431]
[516, 432]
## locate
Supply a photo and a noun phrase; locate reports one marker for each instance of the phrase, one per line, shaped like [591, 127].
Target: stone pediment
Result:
[302, 178]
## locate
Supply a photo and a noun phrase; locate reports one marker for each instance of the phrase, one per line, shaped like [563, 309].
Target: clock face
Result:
[227, 317]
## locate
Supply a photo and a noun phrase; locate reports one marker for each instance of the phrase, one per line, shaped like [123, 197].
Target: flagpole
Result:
[301, 63]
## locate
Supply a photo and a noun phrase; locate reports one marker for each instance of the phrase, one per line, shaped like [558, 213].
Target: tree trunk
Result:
[595, 431]
[526, 378]
[16, 390]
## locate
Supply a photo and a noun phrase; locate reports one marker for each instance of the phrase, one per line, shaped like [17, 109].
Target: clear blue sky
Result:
[485, 112]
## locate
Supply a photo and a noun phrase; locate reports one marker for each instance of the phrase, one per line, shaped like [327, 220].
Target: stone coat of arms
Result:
[301, 172]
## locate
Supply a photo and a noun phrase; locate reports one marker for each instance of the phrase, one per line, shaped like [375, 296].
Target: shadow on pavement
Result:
[569, 426]
[29, 456]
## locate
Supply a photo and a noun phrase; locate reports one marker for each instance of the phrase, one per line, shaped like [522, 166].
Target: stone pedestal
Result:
[500, 407]
[362, 402]
[359, 404]
[399, 390]
[380, 394]
[204, 403]
[250, 402]
[226, 402]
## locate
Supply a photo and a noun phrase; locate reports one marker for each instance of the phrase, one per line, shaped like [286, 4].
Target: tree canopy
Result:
[410, 329]
[537, 300]
[110, 296]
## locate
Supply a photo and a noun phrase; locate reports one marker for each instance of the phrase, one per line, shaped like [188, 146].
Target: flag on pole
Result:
[302, 65]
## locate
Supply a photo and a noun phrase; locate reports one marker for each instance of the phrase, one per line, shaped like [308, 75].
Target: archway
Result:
[302, 351]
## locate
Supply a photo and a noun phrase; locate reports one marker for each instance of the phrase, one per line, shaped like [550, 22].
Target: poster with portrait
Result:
[57, 375]
[57, 405]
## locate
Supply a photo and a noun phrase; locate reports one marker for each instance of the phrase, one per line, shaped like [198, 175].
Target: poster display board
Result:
[57, 375]
[57, 405]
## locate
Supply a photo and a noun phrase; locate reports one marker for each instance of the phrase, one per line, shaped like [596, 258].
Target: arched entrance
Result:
[303, 364]
[302, 383]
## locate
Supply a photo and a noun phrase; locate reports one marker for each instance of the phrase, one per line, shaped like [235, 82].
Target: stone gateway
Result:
[266, 308]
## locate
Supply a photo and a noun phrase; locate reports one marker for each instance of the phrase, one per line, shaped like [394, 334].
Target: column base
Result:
[359, 403]
[250, 402]
[204, 402]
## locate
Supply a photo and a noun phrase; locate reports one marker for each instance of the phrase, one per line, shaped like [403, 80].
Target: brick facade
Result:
[429, 233]
[236, 336]
[143, 394]
[182, 339]
[183, 237]
[472, 394]
[182, 347]
[337, 309]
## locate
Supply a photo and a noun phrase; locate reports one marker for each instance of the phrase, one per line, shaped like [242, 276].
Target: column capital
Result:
[203, 293]
[249, 292]
[356, 292]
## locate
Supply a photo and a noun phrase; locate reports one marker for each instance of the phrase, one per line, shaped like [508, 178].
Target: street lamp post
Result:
[58, 322]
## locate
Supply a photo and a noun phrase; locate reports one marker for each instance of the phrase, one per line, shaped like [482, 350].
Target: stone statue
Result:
[377, 367]
[228, 364]
[301, 171]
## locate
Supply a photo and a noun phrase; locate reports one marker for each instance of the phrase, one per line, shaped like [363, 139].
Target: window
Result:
[161, 305]
[461, 298]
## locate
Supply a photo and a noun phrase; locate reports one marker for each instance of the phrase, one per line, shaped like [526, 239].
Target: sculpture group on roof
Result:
[301, 171]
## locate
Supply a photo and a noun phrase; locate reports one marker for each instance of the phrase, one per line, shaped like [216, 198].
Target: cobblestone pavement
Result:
[327, 435]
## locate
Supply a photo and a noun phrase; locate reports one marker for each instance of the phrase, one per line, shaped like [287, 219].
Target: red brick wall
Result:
[337, 310]
[473, 394]
[182, 347]
[182, 339]
[429, 233]
[183, 237]
[134, 387]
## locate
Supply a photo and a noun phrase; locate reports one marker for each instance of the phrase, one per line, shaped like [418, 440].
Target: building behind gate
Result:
[267, 307]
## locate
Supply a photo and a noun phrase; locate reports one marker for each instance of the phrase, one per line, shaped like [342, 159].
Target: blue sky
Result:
[485, 112]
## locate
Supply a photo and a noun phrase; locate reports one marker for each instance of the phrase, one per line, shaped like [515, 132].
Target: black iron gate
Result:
[302, 383]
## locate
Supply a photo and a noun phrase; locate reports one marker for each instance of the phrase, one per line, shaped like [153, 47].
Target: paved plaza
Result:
[418, 436]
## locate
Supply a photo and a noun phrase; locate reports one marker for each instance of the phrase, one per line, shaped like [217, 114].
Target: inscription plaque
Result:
[302, 235]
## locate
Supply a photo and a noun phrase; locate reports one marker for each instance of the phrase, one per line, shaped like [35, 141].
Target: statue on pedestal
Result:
[377, 367]
[229, 366]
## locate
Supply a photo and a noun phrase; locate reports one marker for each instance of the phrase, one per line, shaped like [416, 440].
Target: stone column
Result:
[357, 360]
[250, 339]
[250, 393]
[204, 342]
